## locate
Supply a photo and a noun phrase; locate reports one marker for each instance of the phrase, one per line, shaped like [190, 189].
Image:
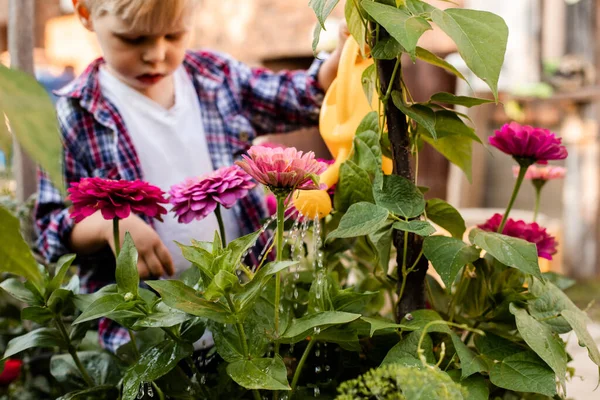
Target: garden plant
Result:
[334, 307]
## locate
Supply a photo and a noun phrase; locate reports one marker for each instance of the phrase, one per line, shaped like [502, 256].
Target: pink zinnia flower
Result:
[115, 199]
[528, 143]
[280, 168]
[196, 198]
[533, 233]
[545, 173]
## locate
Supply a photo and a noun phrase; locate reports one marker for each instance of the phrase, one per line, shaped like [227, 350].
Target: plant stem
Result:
[280, 222]
[520, 177]
[161, 395]
[73, 352]
[538, 197]
[389, 88]
[239, 327]
[404, 271]
[116, 236]
[136, 352]
[309, 347]
[221, 226]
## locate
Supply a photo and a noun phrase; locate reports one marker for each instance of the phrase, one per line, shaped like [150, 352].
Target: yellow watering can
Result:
[344, 107]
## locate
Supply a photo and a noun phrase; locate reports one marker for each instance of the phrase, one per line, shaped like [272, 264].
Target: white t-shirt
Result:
[171, 146]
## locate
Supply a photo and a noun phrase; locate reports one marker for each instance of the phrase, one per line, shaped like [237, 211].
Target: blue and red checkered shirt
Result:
[237, 102]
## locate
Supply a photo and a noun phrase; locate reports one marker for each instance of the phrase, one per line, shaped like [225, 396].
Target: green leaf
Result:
[101, 307]
[468, 28]
[476, 385]
[408, 347]
[457, 149]
[579, 321]
[162, 320]
[62, 266]
[543, 341]
[103, 392]
[314, 323]
[449, 98]
[322, 9]
[6, 142]
[514, 252]
[446, 216]
[548, 304]
[32, 119]
[368, 80]
[223, 282]
[360, 219]
[365, 157]
[37, 314]
[524, 372]
[42, 337]
[429, 57]
[496, 347]
[399, 196]
[418, 7]
[348, 300]
[316, 38]
[421, 228]
[420, 113]
[353, 186]
[17, 289]
[83, 301]
[449, 123]
[126, 274]
[240, 246]
[448, 256]
[344, 336]
[15, 253]
[356, 25]
[379, 324]
[382, 241]
[154, 363]
[260, 373]
[369, 123]
[177, 295]
[201, 258]
[405, 28]
[103, 367]
[387, 49]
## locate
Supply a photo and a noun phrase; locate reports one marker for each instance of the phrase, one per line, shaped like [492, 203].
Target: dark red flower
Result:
[533, 233]
[115, 199]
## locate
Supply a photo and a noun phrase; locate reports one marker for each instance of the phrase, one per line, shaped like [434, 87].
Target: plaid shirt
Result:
[237, 102]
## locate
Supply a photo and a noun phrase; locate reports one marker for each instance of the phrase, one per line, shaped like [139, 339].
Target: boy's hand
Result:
[329, 69]
[154, 260]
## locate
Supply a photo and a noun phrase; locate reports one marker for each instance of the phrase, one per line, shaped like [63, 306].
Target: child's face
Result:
[141, 59]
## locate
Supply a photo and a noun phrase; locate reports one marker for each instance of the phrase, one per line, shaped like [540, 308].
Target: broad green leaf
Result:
[59, 299]
[446, 216]
[316, 38]
[322, 9]
[421, 318]
[543, 341]
[228, 342]
[476, 385]
[83, 301]
[448, 256]
[382, 240]
[42, 337]
[548, 304]
[369, 123]
[103, 392]
[103, 367]
[101, 307]
[314, 323]
[495, 347]
[399, 196]
[344, 336]
[420, 113]
[17, 289]
[405, 28]
[449, 123]
[408, 347]
[15, 253]
[40, 315]
[162, 319]
[429, 57]
[371, 139]
[62, 266]
[481, 39]
[353, 186]
[579, 321]
[449, 98]
[365, 158]
[126, 274]
[319, 295]
[368, 79]
[260, 373]
[201, 258]
[514, 252]
[524, 372]
[360, 219]
[223, 282]
[348, 300]
[560, 281]
[469, 361]
[177, 295]
[6, 141]
[379, 324]
[457, 149]
[418, 7]
[154, 363]
[32, 120]
[356, 25]
[421, 228]
[386, 49]
[240, 246]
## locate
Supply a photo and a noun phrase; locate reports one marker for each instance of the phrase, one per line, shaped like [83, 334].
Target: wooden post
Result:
[20, 46]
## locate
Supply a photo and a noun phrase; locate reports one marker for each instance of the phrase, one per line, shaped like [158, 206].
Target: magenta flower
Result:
[533, 233]
[529, 144]
[280, 168]
[115, 199]
[195, 198]
[545, 173]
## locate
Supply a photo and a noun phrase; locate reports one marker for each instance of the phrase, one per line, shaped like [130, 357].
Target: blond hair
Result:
[144, 15]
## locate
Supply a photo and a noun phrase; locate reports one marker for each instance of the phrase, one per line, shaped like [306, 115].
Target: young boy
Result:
[152, 110]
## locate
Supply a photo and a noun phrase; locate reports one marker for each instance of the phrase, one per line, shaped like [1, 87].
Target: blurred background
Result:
[549, 79]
